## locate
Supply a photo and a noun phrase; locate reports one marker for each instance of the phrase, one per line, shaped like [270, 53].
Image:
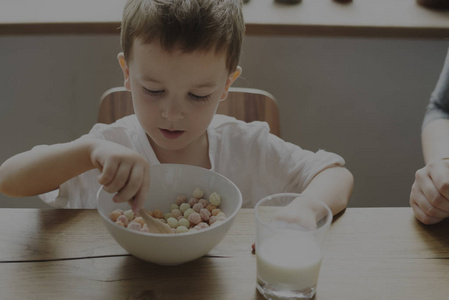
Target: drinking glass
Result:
[290, 235]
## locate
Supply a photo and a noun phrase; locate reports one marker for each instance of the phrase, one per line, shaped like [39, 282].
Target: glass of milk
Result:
[290, 234]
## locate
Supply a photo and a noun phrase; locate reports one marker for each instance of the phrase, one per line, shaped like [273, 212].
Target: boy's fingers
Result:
[132, 187]
[108, 173]
[121, 178]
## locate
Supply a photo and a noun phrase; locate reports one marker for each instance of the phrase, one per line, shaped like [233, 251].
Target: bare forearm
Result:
[435, 140]
[43, 169]
[332, 186]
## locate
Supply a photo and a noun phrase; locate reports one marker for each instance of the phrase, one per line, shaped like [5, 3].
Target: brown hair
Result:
[186, 24]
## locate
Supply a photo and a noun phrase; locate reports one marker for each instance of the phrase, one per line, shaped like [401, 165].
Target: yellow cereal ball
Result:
[198, 193]
[115, 214]
[216, 211]
[139, 220]
[215, 199]
[158, 214]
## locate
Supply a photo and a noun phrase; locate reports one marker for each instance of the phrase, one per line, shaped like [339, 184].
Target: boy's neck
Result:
[195, 155]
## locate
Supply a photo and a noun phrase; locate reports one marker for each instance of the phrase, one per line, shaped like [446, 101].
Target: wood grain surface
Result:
[372, 253]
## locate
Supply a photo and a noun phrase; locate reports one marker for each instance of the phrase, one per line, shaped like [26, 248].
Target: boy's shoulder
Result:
[128, 125]
[223, 122]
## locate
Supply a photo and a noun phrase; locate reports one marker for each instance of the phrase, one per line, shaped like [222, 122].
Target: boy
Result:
[179, 60]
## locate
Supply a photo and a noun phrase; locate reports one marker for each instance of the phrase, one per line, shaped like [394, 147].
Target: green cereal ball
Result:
[183, 207]
[172, 222]
[188, 212]
[214, 199]
[174, 206]
[167, 215]
[129, 214]
[181, 229]
[184, 222]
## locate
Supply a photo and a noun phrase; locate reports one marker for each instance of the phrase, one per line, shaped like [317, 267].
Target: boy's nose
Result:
[172, 110]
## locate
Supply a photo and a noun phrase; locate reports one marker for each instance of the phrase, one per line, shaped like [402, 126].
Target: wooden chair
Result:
[242, 103]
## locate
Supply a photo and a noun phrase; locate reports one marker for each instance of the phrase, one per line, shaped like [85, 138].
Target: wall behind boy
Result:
[361, 98]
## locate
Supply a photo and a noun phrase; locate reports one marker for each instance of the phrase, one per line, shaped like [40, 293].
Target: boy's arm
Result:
[333, 186]
[44, 168]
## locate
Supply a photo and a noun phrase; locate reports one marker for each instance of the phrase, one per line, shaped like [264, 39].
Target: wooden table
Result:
[373, 253]
[379, 18]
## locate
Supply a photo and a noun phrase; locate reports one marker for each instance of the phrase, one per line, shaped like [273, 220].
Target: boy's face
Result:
[175, 94]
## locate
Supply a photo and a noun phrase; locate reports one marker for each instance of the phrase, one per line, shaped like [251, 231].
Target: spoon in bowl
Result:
[154, 225]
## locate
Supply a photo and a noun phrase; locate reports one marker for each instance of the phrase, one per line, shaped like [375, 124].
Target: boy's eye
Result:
[199, 98]
[153, 93]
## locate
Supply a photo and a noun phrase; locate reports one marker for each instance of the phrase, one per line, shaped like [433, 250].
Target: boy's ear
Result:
[125, 69]
[231, 78]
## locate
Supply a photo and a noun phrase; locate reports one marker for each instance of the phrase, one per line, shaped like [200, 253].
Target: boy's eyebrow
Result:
[198, 86]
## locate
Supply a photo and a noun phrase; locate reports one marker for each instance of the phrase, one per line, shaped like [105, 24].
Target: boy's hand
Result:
[123, 171]
[430, 192]
[302, 211]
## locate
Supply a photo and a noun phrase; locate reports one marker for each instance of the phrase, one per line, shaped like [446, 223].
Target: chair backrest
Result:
[242, 103]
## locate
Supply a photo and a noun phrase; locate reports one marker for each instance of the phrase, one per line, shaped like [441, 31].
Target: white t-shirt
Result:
[258, 162]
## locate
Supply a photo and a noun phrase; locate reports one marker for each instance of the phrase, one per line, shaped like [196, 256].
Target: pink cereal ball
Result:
[212, 220]
[193, 201]
[205, 214]
[197, 207]
[176, 213]
[115, 214]
[144, 228]
[134, 226]
[201, 225]
[194, 218]
[204, 202]
[123, 219]
[180, 199]
[120, 224]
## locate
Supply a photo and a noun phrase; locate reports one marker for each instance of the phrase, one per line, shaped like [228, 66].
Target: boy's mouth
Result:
[171, 134]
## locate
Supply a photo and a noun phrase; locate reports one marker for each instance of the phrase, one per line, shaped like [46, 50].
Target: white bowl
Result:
[167, 181]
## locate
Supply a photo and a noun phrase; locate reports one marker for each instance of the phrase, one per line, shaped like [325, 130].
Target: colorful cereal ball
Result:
[115, 214]
[194, 218]
[122, 219]
[215, 199]
[198, 193]
[181, 229]
[180, 199]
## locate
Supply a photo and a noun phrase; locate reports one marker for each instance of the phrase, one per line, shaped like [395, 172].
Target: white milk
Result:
[289, 259]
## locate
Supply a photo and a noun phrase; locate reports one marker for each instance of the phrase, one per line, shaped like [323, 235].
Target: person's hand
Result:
[430, 192]
[123, 171]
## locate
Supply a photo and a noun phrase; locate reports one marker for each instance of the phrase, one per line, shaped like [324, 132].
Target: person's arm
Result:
[435, 140]
[43, 169]
[333, 186]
